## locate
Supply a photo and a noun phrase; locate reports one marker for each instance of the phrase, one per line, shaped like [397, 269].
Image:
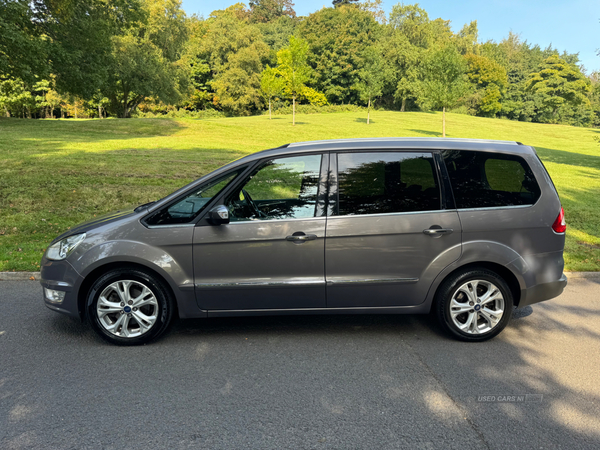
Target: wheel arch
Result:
[505, 273]
[99, 271]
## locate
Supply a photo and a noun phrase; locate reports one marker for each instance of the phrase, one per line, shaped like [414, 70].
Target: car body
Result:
[381, 226]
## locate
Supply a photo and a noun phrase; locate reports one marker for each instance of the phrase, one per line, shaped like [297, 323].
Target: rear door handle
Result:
[299, 237]
[436, 231]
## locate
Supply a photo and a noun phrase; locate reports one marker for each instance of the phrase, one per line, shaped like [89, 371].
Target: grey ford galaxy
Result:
[468, 229]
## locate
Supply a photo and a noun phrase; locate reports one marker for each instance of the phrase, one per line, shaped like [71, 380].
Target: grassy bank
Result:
[54, 174]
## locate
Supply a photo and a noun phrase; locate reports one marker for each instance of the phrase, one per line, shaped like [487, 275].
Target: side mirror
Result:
[219, 215]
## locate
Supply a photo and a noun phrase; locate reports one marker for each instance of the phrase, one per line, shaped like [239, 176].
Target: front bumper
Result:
[61, 276]
[543, 291]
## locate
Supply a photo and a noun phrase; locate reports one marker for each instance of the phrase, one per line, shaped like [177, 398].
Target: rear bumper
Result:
[543, 291]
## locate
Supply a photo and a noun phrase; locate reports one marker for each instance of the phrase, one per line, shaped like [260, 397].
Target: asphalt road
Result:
[342, 382]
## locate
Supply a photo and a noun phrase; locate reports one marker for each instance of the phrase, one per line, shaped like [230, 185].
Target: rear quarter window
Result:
[484, 180]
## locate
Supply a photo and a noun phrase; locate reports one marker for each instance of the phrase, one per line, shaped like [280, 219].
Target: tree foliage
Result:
[337, 39]
[294, 70]
[559, 83]
[98, 57]
[234, 53]
[371, 78]
[23, 51]
[264, 11]
[444, 80]
[489, 80]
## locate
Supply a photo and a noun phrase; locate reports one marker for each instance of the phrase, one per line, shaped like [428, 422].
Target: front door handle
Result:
[299, 237]
[436, 231]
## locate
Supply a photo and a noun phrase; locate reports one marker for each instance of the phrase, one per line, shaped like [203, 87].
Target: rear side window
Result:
[485, 180]
[387, 182]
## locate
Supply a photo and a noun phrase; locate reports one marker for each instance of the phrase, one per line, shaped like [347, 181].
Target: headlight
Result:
[62, 249]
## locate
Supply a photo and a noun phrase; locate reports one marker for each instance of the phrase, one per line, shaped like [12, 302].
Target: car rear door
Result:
[390, 229]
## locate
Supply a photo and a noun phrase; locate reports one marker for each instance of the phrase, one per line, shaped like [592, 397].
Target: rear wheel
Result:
[129, 307]
[474, 305]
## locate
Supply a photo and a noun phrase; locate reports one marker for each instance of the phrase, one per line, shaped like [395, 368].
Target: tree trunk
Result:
[125, 102]
[269, 109]
[369, 112]
[444, 121]
[99, 112]
[403, 107]
[294, 110]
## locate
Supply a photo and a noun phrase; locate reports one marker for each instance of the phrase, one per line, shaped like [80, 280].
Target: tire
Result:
[129, 307]
[469, 317]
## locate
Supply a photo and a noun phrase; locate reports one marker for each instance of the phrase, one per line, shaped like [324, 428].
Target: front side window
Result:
[284, 188]
[387, 182]
[484, 180]
[187, 209]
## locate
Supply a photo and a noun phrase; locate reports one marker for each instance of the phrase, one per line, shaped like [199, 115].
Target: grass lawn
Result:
[56, 173]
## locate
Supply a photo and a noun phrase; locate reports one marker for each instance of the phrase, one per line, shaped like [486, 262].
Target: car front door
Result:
[271, 254]
[388, 231]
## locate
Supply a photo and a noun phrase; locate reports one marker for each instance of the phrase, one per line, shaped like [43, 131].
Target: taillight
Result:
[559, 225]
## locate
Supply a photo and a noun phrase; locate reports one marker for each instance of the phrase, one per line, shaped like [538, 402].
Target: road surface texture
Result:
[338, 382]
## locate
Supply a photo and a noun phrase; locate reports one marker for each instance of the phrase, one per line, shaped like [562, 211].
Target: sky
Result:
[572, 25]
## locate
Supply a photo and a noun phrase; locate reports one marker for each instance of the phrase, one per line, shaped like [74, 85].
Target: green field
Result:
[56, 173]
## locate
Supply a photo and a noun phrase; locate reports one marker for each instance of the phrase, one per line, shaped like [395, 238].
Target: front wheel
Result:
[129, 307]
[474, 305]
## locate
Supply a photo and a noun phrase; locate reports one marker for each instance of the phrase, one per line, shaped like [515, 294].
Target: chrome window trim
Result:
[172, 225]
[244, 284]
[371, 281]
[242, 222]
[434, 211]
[492, 208]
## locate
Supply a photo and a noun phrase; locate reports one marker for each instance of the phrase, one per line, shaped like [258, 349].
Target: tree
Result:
[338, 3]
[337, 38]
[294, 70]
[264, 11]
[237, 86]
[489, 79]
[559, 83]
[80, 36]
[271, 84]
[166, 27]
[375, 8]
[23, 52]
[444, 80]
[55, 100]
[371, 78]
[276, 34]
[145, 60]
[412, 22]
[466, 39]
[230, 54]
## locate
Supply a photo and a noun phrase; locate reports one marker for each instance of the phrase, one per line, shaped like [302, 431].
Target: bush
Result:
[281, 108]
[180, 114]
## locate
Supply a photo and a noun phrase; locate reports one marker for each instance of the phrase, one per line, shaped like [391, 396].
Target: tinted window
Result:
[483, 180]
[187, 209]
[284, 188]
[387, 182]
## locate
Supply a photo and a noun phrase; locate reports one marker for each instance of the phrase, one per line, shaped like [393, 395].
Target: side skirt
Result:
[416, 309]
